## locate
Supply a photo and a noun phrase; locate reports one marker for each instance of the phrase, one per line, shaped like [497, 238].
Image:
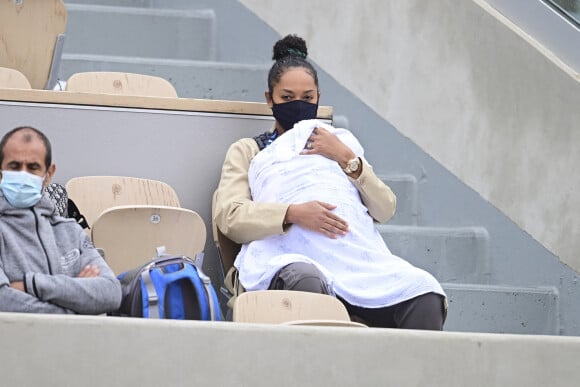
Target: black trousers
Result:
[427, 311]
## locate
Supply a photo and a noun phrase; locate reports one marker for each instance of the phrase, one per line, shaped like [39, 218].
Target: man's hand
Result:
[89, 271]
[317, 216]
[18, 285]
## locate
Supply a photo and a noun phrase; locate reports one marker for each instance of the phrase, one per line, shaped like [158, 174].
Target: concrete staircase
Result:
[219, 50]
[182, 45]
[459, 257]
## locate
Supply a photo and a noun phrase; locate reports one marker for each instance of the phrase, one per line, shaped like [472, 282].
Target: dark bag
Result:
[170, 287]
[64, 205]
[74, 212]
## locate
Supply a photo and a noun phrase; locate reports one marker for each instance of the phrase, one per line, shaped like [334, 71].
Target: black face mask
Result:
[289, 113]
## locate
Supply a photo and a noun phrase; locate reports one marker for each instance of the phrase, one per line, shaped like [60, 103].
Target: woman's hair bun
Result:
[290, 45]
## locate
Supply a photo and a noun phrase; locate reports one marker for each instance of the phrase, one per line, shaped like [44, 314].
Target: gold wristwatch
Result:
[352, 166]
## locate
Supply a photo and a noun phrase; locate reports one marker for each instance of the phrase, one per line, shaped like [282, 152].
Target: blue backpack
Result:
[171, 287]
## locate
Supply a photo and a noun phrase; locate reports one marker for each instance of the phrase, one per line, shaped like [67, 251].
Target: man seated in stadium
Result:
[47, 263]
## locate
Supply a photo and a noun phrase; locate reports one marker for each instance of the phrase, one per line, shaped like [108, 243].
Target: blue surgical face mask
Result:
[289, 113]
[21, 189]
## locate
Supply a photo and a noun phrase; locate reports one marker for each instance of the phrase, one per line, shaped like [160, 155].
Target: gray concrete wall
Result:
[153, 33]
[179, 148]
[478, 95]
[44, 350]
[168, 145]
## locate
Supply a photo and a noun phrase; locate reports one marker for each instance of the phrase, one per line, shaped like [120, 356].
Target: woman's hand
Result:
[322, 142]
[317, 216]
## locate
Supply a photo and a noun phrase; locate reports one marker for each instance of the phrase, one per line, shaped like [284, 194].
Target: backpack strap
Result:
[233, 285]
[266, 138]
[211, 295]
[152, 297]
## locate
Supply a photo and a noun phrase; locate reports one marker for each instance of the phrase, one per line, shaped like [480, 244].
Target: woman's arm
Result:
[376, 195]
[380, 201]
[237, 216]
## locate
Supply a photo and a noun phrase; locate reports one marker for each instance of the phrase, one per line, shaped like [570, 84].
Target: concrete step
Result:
[502, 309]
[239, 38]
[185, 4]
[174, 4]
[455, 255]
[182, 4]
[140, 32]
[120, 3]
[192, 79]
[405, 187]
[311, 355]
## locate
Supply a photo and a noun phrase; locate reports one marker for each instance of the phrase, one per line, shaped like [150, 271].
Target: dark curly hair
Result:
[289, 52]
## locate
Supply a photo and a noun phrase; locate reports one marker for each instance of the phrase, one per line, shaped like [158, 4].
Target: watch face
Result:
[353, 165]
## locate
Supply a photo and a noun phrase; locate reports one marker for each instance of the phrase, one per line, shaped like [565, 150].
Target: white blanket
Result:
[359, 266]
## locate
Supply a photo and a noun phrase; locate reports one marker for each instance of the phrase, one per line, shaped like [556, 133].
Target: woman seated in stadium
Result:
[303, 201]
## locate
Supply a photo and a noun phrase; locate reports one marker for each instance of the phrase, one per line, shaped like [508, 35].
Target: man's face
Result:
[26, 155]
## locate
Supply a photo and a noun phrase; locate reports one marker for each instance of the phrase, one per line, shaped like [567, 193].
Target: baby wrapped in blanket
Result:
[358, 266]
